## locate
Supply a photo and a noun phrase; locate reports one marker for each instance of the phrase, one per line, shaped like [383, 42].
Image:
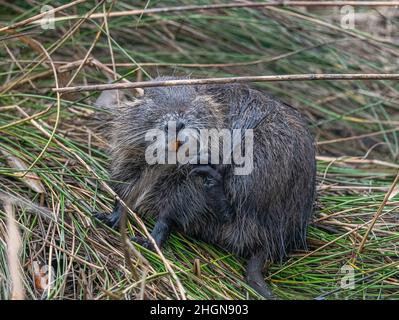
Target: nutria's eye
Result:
[180, 125]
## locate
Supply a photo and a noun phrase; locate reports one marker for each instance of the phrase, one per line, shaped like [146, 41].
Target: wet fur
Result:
[272, 206]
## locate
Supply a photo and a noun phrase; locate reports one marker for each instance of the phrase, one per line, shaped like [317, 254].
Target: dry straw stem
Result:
[39, 47]
[20, 81]
[41, 15]
[335, 240]
[378, 213]
[87, 55]
[357, 137]
[229, 6]
[358, 160]
[109, 189]
[103, 67]
[58, 108]
[44, 54]
[274, 78]
[13, 250]
[35, 19]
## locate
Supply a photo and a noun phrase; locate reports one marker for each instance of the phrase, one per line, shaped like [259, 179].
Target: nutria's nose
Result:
[179, 126]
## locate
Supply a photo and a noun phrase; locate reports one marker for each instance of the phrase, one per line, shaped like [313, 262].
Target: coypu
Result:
[259, 216]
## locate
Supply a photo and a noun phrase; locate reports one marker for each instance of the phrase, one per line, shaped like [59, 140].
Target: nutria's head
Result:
[185, 109]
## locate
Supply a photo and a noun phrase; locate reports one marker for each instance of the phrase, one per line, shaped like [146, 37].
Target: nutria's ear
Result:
[138, 92]
[109, 99]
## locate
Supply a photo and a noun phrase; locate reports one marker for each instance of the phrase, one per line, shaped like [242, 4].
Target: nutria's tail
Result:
[255, 278]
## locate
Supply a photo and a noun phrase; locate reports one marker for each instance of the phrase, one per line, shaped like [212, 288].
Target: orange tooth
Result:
[175, 145]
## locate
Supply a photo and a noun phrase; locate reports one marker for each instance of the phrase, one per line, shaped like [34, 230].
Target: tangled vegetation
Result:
[355, 123]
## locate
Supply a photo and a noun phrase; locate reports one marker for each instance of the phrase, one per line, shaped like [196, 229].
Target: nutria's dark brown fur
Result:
[269, 209]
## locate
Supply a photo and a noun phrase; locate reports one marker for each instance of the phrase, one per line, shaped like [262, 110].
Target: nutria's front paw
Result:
[145, 243]
[216, 197]
[110, 219]
[212, 176]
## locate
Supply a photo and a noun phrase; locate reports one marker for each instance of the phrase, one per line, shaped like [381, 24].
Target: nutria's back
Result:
[274, 203]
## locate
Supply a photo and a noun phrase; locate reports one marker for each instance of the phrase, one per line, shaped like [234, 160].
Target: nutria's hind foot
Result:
[145, 243]
[255, 278]
[160, 233]
[110, 219]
